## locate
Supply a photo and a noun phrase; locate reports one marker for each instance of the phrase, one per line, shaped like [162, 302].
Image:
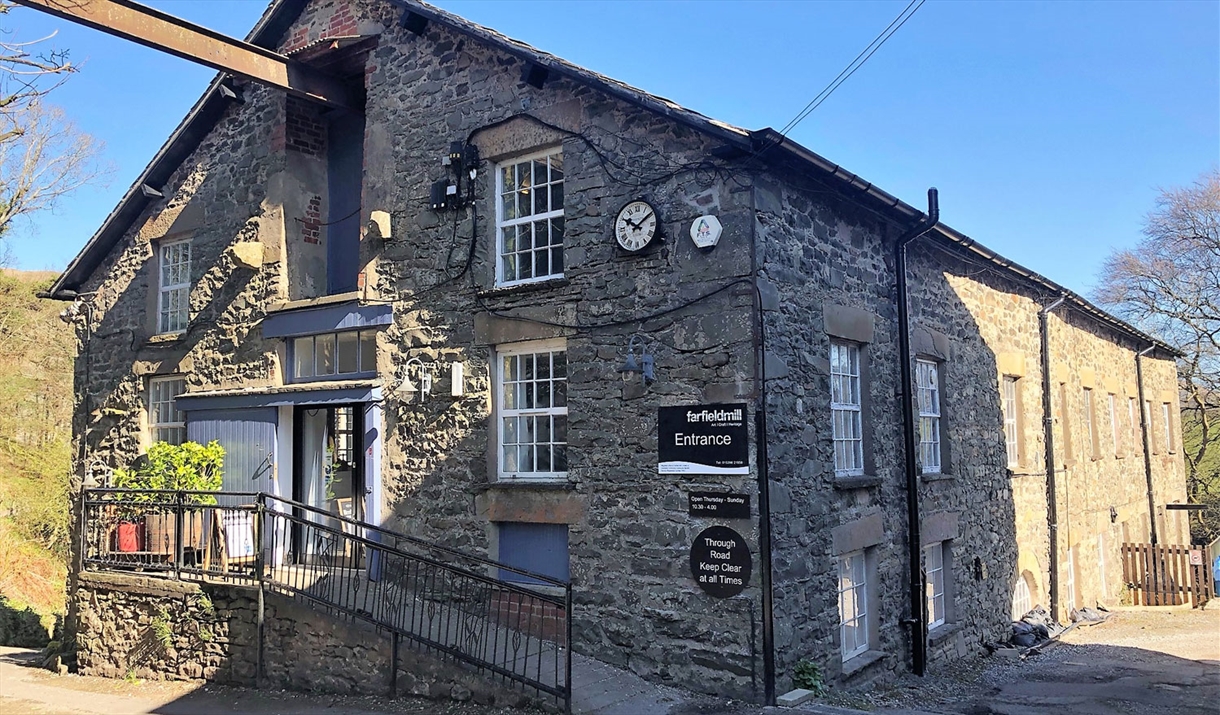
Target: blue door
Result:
[248, 437]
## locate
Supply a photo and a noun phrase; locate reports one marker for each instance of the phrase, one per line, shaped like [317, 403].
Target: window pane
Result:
[368, 351]
[302, 353]
[534, 422]
[324, 354]
[348, 352]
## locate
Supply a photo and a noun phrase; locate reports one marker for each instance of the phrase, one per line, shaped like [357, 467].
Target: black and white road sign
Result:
[720, 562]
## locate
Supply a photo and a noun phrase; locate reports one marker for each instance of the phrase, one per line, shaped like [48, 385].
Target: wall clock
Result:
[635, 226]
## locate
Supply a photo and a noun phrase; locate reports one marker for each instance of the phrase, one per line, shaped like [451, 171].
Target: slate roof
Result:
[769, 144]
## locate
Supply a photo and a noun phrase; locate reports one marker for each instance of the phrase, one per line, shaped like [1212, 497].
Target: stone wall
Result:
[827, 261]
[160, 629]
[257, 183]
[832, 269]
[629, 535]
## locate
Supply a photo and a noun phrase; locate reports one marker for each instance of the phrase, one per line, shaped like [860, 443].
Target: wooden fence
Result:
[1164, 575]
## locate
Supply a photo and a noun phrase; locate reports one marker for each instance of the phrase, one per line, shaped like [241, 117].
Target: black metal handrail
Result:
[508, 622]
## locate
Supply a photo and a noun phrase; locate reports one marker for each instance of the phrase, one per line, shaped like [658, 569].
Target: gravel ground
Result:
[1137, 648]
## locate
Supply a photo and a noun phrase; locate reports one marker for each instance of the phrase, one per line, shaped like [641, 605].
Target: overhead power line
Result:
[895, 25]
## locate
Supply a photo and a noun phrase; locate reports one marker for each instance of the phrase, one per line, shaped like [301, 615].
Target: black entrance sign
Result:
[726, 505]
[703, 439]
[720, 561]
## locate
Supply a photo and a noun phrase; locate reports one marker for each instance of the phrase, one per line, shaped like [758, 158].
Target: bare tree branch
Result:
[43, 156]
[1169, 284]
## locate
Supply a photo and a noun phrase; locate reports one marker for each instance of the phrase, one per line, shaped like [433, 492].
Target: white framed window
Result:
[1112, 403]
[1151, 421]
[1012, 433]
[529, 218]
[853, 605]
[173, 286]
[1167, 421]
[1022, 599]
[847, 426]
[927, 381]
[1090, 421]
[165, 422]
[1134, 420]
[934, 570]
[532, 410]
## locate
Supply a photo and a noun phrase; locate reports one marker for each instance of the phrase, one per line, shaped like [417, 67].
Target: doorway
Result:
[328, 475]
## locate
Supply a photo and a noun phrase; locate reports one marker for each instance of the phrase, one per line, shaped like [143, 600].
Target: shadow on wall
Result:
[21, 628]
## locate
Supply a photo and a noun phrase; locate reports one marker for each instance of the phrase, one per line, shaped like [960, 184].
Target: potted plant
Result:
[148, 521]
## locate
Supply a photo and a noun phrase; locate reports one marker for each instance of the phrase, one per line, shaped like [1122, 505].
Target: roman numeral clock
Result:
[635, 227]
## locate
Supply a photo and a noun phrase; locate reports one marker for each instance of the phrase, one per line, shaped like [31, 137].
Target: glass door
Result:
[329, 477]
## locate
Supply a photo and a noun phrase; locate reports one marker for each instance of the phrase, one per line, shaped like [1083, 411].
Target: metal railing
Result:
[510, 624]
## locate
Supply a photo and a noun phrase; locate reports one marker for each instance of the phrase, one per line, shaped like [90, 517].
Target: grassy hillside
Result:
[36, 351]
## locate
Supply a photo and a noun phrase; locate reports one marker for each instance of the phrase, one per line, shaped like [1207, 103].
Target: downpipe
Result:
[918, 620]
[1144, 417]
[1048, 434]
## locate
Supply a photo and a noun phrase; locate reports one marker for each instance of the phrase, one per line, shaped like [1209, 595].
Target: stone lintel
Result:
[522, 504]
[493, 330]
[1088, 377]
[939, 526]
[849, 323]
[1010, 364]
[930, 343]
[856, 535]
[172, 223]
[524, 136]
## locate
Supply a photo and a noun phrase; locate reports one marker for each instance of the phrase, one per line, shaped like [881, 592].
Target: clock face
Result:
[635, 226]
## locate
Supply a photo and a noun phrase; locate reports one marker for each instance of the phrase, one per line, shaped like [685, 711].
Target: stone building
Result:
[300, 284]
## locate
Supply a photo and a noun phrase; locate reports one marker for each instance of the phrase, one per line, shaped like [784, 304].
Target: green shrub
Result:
[162, 629]
[808, 676]
[189, 467]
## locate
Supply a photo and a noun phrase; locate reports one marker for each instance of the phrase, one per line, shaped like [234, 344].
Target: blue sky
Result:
[1047, 126]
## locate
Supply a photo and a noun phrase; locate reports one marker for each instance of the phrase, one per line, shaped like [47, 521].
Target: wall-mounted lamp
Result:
[423, 387]
[646, 364]
[150, 193]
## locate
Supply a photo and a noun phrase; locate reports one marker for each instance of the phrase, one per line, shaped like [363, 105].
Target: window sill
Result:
[516, 288]
[862, 661]
[937, 635]
[937, 476]
[859, 481]
[165, 338]
[1014, 472]
[553, 485]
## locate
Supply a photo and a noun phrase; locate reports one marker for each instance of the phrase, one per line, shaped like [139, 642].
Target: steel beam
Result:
[161, 31]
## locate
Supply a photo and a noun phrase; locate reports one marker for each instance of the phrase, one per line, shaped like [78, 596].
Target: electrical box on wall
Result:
[441, 194]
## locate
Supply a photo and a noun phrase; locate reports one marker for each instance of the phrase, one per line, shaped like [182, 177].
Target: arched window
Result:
[1022, 600]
